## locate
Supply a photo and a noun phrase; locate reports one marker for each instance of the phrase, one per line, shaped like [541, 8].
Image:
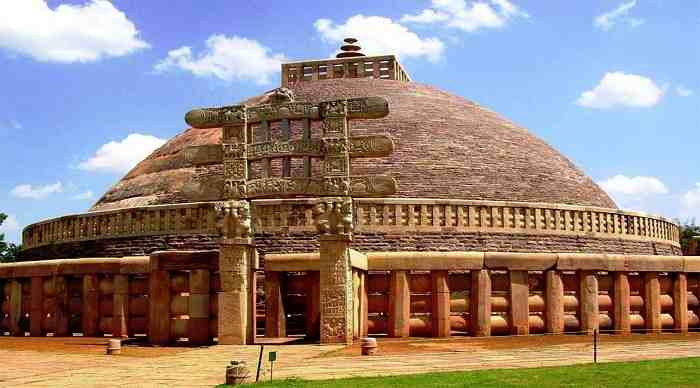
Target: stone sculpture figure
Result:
[234, 219]
[333, 216]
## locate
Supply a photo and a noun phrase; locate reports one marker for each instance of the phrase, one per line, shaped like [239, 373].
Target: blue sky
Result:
[89, 87]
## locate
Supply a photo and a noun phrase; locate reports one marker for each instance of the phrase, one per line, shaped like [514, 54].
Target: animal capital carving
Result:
[334, 217]
[234, 219]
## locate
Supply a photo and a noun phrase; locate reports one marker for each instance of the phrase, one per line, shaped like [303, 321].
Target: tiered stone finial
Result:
[350, 49]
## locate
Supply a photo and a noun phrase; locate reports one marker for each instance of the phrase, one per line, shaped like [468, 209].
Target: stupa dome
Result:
[445, 147]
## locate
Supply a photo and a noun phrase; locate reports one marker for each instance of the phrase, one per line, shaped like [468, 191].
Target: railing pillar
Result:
[480, 309]
[36, 306]
[621, 303]
[198, 326]
[652, 302]
[120, 298]
[91, 311]
[519, 304]
[554, 299]
[159, 307]
[275, 319]
[680, 302]
[441, 304]
[399, 304]
[588, 301]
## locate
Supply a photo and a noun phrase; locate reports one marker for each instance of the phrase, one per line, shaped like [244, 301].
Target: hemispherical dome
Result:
[445, 147]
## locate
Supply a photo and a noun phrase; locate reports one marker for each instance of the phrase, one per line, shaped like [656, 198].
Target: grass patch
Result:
[684, 372]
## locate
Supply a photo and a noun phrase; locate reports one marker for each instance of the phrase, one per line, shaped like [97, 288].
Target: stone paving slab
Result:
[205, 367]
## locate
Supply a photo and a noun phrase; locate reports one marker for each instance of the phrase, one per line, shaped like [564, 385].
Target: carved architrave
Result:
[360, 186]
[234, 219]
[235, 168]
[273, 112]
[216, 117]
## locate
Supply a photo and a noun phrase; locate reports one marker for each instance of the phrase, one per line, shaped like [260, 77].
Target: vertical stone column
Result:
[275, 318]
[480, 309]
[588, 301]
[519, 303]
[336, 290]
[91, 312]
[441, 304]
[198, 326]
[62, 311]
[399, 304]
[680, 302]
[313, 301]
[554, 299]
[159, 307]
[237, 265]
[364, 300]
[621, 303]
[236, 299]
[356, 304]
[36, 306]
[652, 302]
[120, 303]
[16, 308]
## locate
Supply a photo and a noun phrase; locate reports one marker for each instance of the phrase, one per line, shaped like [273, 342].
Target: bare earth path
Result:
[58, 362]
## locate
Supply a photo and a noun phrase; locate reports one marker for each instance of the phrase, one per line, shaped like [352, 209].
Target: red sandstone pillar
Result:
[680, 303]
[554, 313]
[159, 307]
[120, 305]
[652, 302]
[588, 301]
[441, 304]
[62, 312]
[36, 306]
[363, 305]
[16, 308]
[621, 303]
[313, 301]
[198, 326]
[399, 304]
[519, 303]
[480, 309]
[91, 311]
[275, 319]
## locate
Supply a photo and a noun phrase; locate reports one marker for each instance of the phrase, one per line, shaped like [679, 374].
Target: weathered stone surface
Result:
[554, 294]
[621, 302]
[480, 309]
[425, 260]
[588, 301]
[440, 313]
[399, 304]
[520, 261]
[680, 302]
[652, 302]
[519, 312]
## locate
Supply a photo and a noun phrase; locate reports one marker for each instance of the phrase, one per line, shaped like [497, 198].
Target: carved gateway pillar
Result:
[333, 218]
[335, 187]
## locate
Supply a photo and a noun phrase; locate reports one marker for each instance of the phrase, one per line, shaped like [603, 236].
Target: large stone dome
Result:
[445, 147]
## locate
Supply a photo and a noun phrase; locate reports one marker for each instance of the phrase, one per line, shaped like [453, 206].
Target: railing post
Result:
[554, 310]
[480, 309]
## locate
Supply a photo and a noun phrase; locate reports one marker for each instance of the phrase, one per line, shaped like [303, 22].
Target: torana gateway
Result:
[349, 202]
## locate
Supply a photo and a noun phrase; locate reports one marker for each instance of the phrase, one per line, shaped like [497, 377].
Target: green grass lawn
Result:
[683, 372]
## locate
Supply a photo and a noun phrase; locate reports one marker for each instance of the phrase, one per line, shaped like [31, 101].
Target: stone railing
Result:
[375, 215]
[441, 294]
[193, 218]
[392, 215]
[380, 67]
[169, 296]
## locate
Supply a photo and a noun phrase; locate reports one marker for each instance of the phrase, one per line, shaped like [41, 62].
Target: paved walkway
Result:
[205, 367]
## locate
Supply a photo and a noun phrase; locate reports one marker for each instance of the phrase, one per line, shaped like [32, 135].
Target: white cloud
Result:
[229, 59]
[122, 156]
[379, 35]
[620, 89]
[68, 33]
[637, 186]
[87, 195]
[620, 14]
[691, 202]
[468, 17]
[9, 225]
[39, 192]
[683, 91]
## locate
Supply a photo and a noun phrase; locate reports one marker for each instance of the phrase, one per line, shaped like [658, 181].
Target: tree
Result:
[688, 230]
[8, 251]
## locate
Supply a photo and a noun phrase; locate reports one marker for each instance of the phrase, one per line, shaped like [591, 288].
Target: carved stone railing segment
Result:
[371, 215]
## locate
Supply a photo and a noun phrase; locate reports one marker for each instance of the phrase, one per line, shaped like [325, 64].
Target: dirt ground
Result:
[389, 346]
[84, 345]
